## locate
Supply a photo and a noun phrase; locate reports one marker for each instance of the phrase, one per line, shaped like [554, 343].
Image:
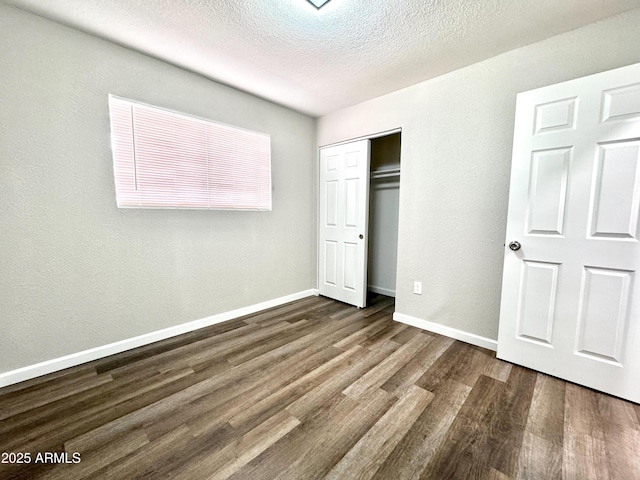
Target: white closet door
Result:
[570, 296]
[344, 205]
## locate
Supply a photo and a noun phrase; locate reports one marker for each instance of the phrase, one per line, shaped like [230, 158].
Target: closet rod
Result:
[385, 173]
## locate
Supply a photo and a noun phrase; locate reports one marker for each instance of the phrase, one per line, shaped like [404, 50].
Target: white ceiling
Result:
[319, 61]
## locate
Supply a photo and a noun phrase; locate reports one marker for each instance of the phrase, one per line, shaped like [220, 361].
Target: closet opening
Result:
[384, 202]
[358, 196]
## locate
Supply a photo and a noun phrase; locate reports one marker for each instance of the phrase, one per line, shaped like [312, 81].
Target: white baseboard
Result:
[382, 291]
[56, 364]
[467, 337]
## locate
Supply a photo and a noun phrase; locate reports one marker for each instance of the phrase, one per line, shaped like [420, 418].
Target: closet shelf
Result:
[385, 173]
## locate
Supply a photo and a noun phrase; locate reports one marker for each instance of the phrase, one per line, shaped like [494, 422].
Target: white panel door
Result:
[344, 211]
[570, 294]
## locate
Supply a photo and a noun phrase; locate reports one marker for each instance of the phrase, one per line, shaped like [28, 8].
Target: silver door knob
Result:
[515, 245]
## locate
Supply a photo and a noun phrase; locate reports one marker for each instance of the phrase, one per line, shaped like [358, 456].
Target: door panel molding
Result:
[570, 302]
[343, 230]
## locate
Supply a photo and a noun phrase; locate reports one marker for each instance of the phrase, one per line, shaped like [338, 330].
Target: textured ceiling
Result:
[317, 61]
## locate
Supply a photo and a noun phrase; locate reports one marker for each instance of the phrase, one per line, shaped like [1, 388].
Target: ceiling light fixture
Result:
[318, 3]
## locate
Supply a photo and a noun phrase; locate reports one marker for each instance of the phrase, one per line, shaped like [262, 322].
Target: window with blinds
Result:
[165, 159]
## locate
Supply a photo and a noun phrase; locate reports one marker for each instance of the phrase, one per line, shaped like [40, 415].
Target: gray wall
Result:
[75, 271]
[384, 200]
[456, 153]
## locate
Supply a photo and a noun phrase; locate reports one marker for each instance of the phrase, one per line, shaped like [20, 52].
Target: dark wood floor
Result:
[315, 389]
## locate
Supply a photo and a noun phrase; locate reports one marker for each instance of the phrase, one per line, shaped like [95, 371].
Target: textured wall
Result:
[456, 153]
[75, 271]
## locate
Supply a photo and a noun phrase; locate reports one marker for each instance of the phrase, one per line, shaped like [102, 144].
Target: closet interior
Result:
[384, 197]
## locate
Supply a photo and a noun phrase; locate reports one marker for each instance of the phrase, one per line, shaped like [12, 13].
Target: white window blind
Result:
[165, 159]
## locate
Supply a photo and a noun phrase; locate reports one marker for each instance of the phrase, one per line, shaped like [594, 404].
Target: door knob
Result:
[360, 236]
[515, 245]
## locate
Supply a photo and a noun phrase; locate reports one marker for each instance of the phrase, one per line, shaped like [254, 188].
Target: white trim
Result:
[467, 337]
[382, 291]
[56, 364]
[365, 137]
[370, 136]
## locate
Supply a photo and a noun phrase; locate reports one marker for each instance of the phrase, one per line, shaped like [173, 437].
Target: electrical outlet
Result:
[417, 288]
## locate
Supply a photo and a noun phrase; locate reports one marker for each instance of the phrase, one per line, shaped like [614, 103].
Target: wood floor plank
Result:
[338, 438]
[383, 335]
[464, 453]
[507, 426]
[251, 373]
[498, 369]
[228, 348]
[385, 370]
[377, 304]
[218, 333]
[493, 474]
[189, 456]
[315, 427]
[584, 457]
[272, 382]
[322, 393]
[621, 437]
[297, 314]
[209, 404]
[366, 456]
[622, 446]
[183, 354]
[299, 307]
[127, 419]
[296, 389]
[264, 345]
[234, 456]
[541, 453]
[417, 448]
[616, 412]
[57, 429]
[539, 459]
[315, 388]
[28, 471]
[360, 335]
[51, 380]
[406, 376]
[448, 363]
[585, 453]
[473, 366]
[67, 407]
[546, 414]
[407, 334]
[93, 461]
[9, 408]
[136, 463]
